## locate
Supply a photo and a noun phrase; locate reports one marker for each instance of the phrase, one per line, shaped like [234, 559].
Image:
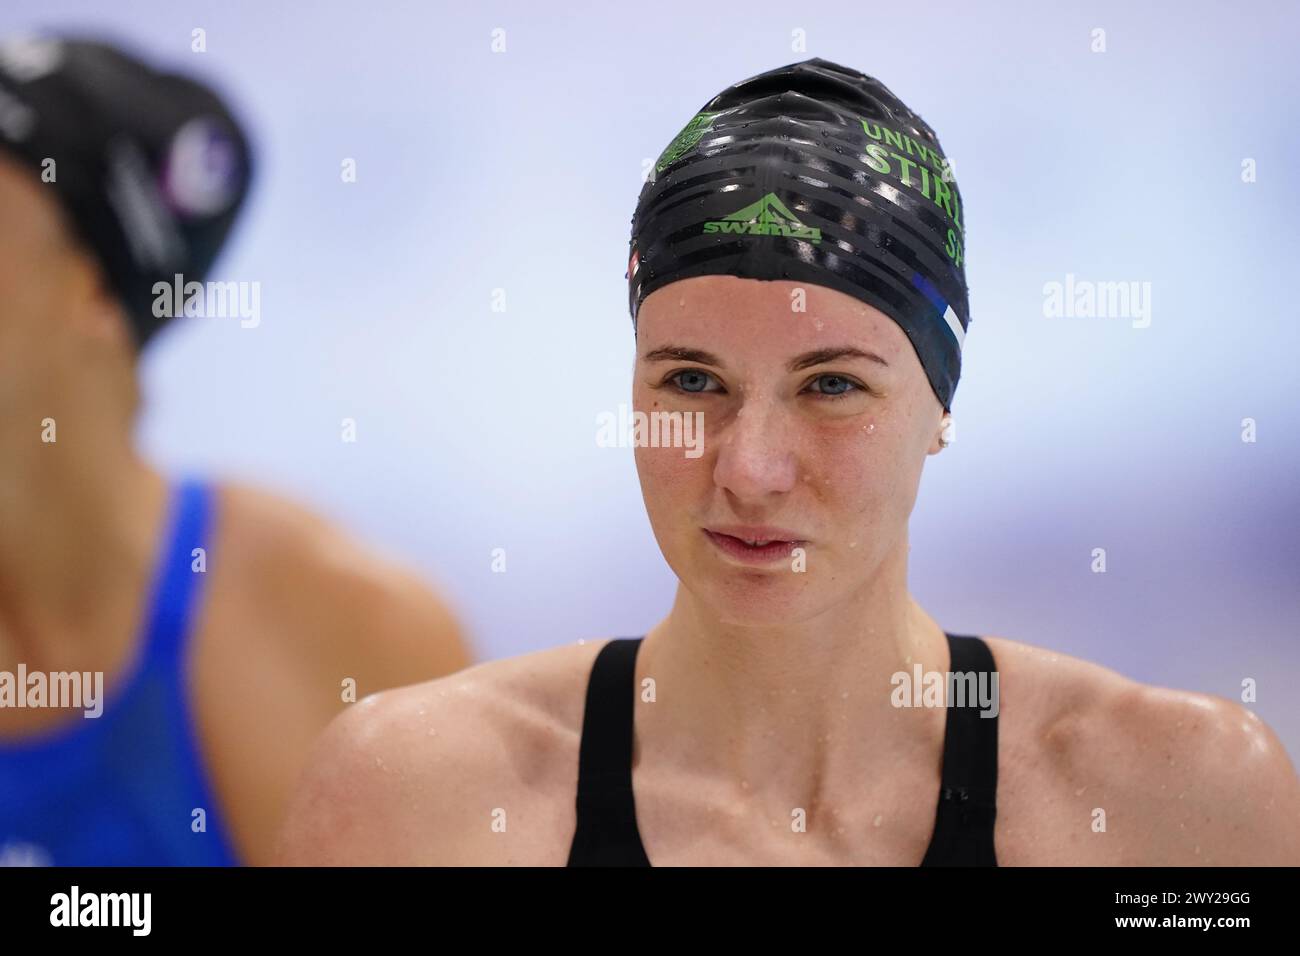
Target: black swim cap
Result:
[150, 167]
[816, 173]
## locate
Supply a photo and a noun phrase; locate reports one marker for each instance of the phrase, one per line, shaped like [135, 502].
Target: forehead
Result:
[760, 318]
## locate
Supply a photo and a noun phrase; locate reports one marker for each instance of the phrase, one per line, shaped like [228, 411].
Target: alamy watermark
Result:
[923, 688]
[131, 911]
[212, 300]
[82, 690]
[1085, 299]
[637, 429]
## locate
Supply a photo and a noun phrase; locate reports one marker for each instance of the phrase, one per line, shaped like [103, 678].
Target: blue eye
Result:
[838, 386]
[691, 381]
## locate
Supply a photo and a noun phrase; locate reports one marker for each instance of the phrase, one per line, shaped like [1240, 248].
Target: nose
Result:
[756, 458]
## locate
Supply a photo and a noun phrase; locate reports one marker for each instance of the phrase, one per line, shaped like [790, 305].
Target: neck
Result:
[79, 519]
[806, 701]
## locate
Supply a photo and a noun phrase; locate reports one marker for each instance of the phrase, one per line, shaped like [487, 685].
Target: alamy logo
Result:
[130, 910]
[83, 690]
[767, 217]
[241, 300]
[921, 688]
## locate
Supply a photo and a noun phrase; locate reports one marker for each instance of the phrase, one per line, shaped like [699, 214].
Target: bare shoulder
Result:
[352, 609]
[1135, 774]
[478, 767]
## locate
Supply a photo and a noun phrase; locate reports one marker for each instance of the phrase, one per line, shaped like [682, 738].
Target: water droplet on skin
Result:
[876, 822]
[421, 711]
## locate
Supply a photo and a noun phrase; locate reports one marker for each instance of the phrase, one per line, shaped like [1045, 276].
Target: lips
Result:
[760, 545]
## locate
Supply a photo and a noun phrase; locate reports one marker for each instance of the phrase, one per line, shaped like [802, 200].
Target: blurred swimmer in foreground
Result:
[169, 647]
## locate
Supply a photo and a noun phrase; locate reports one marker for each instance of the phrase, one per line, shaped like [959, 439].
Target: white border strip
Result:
[954, 323]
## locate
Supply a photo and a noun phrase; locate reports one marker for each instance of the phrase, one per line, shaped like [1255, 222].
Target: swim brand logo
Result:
[56, 689]
[767, 217]
[75, 908]
[636, 429]
[685, 141]
[218, 300]
[946, 689]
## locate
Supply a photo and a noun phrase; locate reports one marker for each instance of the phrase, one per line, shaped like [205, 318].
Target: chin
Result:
[757, 597]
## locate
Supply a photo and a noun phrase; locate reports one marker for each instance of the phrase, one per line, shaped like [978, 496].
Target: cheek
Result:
[666, 473]
[668, 478]
[858, 471]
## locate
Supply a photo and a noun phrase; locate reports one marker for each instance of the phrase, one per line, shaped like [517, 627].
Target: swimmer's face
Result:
[828, 447]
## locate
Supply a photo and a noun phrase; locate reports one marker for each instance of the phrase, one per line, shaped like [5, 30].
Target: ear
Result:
[98, 313]
[106, 321]
[945, 431]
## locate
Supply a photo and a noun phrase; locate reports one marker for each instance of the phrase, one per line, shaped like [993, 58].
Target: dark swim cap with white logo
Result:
[816, 173]
[151, 167]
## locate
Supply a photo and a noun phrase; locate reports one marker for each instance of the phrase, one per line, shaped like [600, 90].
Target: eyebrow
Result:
[680, 353]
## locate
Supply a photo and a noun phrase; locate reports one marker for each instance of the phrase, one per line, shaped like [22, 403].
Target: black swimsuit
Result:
[607, 834]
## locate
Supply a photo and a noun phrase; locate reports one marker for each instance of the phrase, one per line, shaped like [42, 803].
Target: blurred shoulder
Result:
[323, 586]
[476, 767]
[1185, 777]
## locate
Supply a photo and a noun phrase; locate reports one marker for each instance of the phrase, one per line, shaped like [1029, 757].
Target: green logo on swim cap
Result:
[685, 141]
[767, 217]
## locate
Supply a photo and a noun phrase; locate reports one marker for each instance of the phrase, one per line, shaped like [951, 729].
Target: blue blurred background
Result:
[518, 171]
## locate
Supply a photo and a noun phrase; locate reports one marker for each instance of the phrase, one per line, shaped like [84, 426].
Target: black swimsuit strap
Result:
[607, 833]
[963, 832]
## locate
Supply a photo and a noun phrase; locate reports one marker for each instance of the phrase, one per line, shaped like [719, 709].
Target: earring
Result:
[948, 434]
